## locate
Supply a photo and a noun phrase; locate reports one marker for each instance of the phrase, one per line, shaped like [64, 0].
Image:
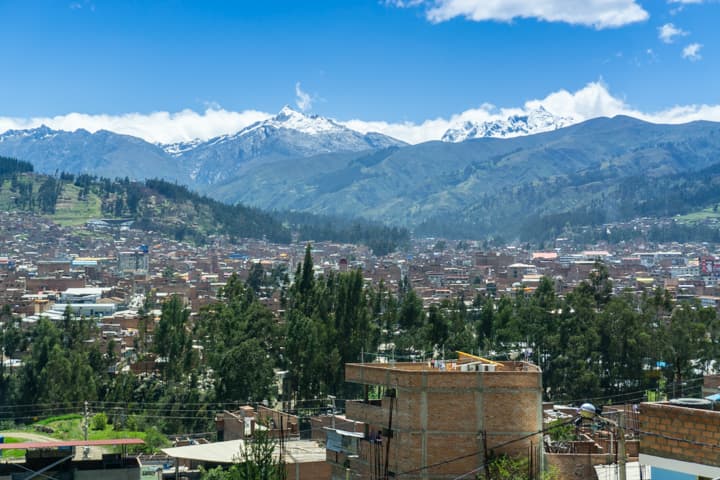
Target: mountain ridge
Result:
[535, 121]
[199, 163]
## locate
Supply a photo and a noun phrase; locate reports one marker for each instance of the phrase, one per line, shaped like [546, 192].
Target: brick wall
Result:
[576, 467]
[680, 433]
[440, 415]
[308, 471]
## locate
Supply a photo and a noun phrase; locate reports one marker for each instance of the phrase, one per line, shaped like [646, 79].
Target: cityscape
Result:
[427, 239]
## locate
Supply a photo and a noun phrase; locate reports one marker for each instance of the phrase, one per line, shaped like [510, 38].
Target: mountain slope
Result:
[173, 210]
[101, 153]
[412, 185]
[287, 135]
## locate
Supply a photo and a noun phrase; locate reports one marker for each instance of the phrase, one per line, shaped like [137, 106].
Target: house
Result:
[440, 419]
[304, 459]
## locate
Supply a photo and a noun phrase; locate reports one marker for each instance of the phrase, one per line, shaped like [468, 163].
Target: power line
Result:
[619, 395]
[478, 452]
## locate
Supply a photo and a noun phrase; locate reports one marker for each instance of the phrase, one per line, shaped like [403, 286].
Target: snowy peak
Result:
[538, 120]
[43, 131]
[294, 120]
[176, 149]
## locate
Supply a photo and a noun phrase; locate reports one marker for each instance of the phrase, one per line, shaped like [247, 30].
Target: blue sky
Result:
[406, 67]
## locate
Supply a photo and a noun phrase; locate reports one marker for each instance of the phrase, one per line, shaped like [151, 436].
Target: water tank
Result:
[587, 410]
[699, 403]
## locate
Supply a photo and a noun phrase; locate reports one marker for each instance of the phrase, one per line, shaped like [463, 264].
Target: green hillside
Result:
[172, 210]
[488, 187]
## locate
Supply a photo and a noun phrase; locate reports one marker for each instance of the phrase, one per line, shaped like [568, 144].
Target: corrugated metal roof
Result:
[297, 451]
[71, 443]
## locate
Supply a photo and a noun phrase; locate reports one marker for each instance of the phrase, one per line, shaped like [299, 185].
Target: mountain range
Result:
[535, 121]
[508, 178]
[289, 134]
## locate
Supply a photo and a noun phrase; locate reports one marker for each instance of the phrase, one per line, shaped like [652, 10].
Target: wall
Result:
[439, 415]
[115, 474]
[572, 466]
[680, 433]
[308, 471]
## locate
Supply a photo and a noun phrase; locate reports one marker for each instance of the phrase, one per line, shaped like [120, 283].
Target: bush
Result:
[99, 421]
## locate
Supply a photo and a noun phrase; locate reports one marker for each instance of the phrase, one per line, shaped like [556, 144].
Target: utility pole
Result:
[621, 445]
[86, 424]
[86, 421]
[332, 397]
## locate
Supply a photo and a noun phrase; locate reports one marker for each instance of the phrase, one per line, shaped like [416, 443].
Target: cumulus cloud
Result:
[692, 52]
[158, 127]
[595, 13]
[592, 101]
[303, 100]
[668, 32]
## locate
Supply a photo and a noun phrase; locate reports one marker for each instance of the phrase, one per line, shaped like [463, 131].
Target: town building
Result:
[440, 419]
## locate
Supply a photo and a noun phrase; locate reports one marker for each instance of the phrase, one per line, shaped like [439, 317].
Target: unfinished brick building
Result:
[678, 441]
[440, 420]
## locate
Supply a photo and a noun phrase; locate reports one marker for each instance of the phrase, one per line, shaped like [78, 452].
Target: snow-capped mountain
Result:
[178, 148]
[289, 134]
[535, 121]
[294, 120]
[200, 163]
[101, 153]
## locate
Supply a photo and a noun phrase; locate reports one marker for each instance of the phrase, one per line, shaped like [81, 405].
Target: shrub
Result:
[99, 421]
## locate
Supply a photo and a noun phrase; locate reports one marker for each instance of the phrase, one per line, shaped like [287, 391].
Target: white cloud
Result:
[303, 100]
[668, 32]
[595, 13]
[161, 127]
[592, 101]
[692, 52]
[685, 2]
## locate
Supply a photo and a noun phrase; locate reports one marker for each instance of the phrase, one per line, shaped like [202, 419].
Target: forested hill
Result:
[171, 209]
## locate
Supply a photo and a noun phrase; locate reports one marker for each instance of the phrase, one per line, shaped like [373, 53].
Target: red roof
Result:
[72, 443]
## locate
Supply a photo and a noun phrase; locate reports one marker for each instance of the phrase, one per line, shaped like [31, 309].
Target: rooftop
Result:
[296, 451]
[449, 366]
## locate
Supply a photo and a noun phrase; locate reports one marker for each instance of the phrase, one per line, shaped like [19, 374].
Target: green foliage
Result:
[504, 467]
[54, 374]
[99, 421]
[561, 431]
[173, 341]
[256, 460]
[154, 441]
[241, 341]
[11, 166]
[328, 324]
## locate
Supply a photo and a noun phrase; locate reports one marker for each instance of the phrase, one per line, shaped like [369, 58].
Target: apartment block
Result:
[439, 420]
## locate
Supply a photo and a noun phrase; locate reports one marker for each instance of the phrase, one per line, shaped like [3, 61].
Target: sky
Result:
[172, 70]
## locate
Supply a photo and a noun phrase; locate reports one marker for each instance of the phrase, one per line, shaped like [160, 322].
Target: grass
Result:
[69, 427]
[59, 418]
[699, 216]
[13, 453]
[69, 211]
[7, 196]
